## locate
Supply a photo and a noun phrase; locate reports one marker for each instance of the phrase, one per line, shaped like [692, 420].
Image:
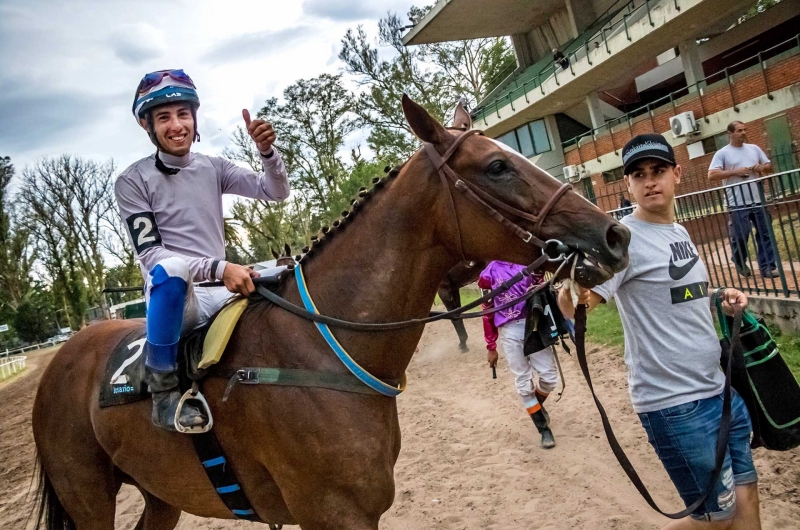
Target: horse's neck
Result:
[384, 266]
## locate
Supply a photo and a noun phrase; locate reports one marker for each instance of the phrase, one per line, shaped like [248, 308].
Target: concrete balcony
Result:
[612, 55]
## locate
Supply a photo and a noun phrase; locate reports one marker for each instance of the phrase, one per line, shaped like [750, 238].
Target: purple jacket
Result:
[496, 273]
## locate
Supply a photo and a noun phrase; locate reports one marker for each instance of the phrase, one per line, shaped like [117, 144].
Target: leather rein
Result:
[485, 200]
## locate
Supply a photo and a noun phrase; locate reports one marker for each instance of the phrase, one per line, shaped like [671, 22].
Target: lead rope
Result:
[622, 458]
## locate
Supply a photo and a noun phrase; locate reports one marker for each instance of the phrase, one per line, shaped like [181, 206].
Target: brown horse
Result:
[316, 457]
[449, 293]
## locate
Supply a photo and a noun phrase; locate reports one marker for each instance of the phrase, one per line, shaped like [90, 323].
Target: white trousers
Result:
[201, 302]
[543, 363]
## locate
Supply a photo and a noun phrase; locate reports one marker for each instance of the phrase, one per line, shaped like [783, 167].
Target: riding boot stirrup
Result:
[171, 411]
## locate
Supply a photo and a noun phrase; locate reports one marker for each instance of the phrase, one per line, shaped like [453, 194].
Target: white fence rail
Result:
[27, 348]
[11, 366]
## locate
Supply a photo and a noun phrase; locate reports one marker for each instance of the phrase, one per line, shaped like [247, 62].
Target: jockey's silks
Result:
[181, 215]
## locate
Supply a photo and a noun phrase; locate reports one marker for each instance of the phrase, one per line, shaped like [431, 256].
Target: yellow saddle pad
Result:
[220, 332]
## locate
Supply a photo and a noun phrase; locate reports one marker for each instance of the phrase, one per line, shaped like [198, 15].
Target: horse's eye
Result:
[497, 168]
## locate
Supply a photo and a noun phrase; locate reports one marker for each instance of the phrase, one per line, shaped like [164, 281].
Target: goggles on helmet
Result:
[154, 78]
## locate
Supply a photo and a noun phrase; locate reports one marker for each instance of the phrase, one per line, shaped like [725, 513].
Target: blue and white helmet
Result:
[162, 87]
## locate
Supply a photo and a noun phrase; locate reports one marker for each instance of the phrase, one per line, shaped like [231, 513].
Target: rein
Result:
[455, 314]
[476, 195]
[616, 448]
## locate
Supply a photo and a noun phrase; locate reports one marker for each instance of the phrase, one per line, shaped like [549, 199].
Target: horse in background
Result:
[465, 273]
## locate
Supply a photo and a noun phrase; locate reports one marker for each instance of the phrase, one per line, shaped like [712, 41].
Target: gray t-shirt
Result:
[671, 347]
[730, 157]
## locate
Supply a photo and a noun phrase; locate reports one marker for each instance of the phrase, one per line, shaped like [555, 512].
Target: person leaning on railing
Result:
[736, 163]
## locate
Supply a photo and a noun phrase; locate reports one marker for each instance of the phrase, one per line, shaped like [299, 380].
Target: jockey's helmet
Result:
[160, 88]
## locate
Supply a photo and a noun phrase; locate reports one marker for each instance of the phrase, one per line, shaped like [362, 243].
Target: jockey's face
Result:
[174, 127]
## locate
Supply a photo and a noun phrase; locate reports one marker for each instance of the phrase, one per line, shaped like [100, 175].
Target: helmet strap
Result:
[194, 117]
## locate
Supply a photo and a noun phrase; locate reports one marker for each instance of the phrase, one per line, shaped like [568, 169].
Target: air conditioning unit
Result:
[572, 174]
[683, 124]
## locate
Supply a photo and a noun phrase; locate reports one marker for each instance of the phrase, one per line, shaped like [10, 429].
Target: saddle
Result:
[203, 347]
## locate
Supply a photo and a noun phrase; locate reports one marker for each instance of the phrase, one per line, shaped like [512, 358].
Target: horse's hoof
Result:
[463, 348]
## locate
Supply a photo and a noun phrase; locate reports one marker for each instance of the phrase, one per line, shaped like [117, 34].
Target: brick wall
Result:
[715, 99]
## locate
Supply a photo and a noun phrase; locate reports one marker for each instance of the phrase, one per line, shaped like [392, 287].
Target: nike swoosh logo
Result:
[676, 272]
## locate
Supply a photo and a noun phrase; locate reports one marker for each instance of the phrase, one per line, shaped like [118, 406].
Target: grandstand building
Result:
[683, 68]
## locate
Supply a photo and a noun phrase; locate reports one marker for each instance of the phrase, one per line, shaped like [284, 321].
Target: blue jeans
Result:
[685, 438]
[739, 225]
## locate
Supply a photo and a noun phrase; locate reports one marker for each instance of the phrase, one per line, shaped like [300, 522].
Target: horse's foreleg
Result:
[451, 298]
[157, 515]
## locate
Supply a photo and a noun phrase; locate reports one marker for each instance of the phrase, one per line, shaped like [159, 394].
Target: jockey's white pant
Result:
[201, 302]
[543, 363]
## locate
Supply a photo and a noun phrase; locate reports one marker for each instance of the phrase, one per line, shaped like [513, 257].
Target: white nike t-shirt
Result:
[671, 347]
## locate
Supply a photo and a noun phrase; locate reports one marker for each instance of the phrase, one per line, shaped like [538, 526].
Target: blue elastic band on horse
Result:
[229, 489]
[214, 462]
[243, 512]
[363, 376]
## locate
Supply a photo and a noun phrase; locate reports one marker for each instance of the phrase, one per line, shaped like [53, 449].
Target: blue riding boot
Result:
[164, 323]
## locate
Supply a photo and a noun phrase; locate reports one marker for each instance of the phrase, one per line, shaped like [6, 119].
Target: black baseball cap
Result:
[646, 146]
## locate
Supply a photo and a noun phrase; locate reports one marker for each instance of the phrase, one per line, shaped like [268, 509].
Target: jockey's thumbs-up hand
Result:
[238, 279]
[260, 131]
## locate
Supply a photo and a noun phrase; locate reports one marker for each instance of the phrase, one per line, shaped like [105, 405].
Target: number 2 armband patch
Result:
[144, 231]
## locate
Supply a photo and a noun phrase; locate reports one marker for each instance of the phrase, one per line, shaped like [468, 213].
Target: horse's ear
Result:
[274, 254]
[287, 249]
[461, 118]
[422, 124]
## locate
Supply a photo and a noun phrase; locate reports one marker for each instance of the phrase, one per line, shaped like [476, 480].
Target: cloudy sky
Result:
[70, 69]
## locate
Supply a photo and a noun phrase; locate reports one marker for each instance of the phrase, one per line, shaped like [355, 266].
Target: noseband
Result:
[485, 200]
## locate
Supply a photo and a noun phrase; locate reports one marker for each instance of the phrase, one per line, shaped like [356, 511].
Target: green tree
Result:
[312, 121]
[65, 203]
[385, 80]
[16, 253]
[36, 318]
[436, 76]
[267, 225]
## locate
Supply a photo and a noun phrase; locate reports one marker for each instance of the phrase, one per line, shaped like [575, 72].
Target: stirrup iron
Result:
[193, 394]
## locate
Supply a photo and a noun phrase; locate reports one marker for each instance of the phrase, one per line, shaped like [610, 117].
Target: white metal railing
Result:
[11, 366]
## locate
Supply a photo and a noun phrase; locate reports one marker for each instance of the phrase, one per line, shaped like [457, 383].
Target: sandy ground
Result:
[470, 457]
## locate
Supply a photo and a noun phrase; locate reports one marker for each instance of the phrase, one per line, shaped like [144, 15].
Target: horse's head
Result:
[515, 188]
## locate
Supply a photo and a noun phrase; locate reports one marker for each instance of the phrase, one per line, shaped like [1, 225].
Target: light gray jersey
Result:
[730, 157]
[181, 215]
[671, 347]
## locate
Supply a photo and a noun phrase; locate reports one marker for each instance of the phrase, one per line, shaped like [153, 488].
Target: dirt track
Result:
[470, 456]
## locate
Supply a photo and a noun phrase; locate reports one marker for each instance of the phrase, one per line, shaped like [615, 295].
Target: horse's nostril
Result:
[617, 238]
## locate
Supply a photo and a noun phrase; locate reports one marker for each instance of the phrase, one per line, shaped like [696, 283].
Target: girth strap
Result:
[300, 378]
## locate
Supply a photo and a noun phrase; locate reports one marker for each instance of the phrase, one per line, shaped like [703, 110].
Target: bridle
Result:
[487, 201]
[480, 197]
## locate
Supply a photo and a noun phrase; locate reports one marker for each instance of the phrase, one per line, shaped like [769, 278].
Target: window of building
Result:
[714, 143]
[526, 146]
[613, 175]
[540, 139]
[530, 139]
[510, 139]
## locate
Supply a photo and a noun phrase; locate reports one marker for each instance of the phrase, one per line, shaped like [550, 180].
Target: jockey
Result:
[171, 206]
[511, 325]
